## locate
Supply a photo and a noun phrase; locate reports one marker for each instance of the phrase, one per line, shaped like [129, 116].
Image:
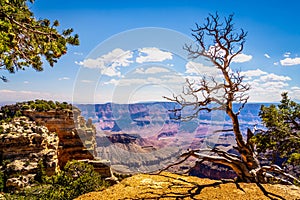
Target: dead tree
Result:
[220, 43]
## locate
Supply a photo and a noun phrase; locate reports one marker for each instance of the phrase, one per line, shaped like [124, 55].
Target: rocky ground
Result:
[171, 186]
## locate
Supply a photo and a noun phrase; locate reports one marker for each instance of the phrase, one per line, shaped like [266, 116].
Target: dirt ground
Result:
[172, 186]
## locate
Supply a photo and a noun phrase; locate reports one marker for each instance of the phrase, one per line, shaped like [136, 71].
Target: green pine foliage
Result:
[282, 136]
[24, 40]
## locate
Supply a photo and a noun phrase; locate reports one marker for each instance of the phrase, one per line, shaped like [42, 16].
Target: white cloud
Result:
[266, 87]
[287, 54]
[251, 73]
[142, 81]
[153, 54]
[274, 85]
[294, 93]
[26, 82]
[274, 77]
[132, 81]
[174, 78]
[151, 70]
[111, 71]
[200, 69]
[295, 88]
[109, 63]
[276, 63]
[262, 91]
[168, 79]
[290, 61]
[112, 81]
[240, 58]
[64, 78]
[267, 55]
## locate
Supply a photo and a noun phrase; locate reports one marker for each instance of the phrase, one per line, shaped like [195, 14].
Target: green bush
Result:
[52, 104]
[25, 107]
[18, 113]
[7, 113]
[41, 173]
[2, 184]
[75, 179]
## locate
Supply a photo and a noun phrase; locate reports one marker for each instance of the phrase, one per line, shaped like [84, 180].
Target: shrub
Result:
[2, 182]
[74, 180]
[52, 104]
[41, 173]
[25, 107]
[18, 113]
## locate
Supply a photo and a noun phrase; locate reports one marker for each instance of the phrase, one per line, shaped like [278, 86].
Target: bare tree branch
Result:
[220, 43]
[276, 169]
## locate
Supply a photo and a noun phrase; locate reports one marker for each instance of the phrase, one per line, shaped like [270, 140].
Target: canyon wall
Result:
[52, 137]
[76, 139]
[23, 145]
[145, 136]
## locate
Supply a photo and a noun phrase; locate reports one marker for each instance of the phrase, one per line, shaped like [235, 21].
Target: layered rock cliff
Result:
[76, 139]
[37, 131]
[23, 145]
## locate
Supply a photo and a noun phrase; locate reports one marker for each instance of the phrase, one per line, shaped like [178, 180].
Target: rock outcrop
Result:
[76, 139]
[51, 136]
[23, 145]
[102, 167]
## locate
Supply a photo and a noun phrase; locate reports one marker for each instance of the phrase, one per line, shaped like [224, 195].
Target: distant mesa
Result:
[145, 137]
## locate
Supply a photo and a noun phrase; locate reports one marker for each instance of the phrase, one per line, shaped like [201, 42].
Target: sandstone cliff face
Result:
[76, 136]
[76, 139]
[23, 145]
[54, 137]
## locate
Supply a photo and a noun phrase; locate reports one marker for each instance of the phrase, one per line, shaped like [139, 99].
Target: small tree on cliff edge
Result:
[24, 39]
[220, 43]
[282, 136]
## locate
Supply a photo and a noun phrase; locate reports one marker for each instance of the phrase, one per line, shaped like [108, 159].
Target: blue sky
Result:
[125, 55]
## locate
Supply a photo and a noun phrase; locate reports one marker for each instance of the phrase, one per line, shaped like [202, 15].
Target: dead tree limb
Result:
[219, 42]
